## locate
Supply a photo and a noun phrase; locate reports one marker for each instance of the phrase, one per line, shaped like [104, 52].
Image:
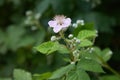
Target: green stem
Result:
[107, 66]
[111, 69]
[67, 45]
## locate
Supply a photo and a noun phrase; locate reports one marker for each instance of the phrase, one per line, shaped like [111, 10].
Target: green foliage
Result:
[17, 39]
[5, 79]
[85, 43]
[42, 6]
[89, 65]
[50, 47]
[47, 47]
[43, 76]
[109, 77]
[85, 37]
[21, 75]
[105, 54]
[62, 71]
[87, 26]
[77, 75]
[86, 34]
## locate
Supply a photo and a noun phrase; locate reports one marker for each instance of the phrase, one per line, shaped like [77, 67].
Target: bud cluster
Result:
[78, 22]
[32, 19]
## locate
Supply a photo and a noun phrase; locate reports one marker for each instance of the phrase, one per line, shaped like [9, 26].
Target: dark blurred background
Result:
[19, 32]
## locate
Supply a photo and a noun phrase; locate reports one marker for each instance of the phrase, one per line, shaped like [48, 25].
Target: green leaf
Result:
[62, 71]
[47, 47]
[86, 34]
[50, 47]
[43, 76]
[87, 26]
[89, 65]
[85, 43]
[62, 49]
[106, 54]
[19, 74]
[109, 77]
[77, 75]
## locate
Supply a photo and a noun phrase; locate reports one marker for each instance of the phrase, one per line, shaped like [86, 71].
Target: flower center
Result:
[60, 19]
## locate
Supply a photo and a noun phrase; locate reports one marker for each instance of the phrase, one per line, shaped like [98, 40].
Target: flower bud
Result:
[91, 50]
[76, 53]
[75, 38]
[53, 38]
[70, 36]
[37, 16]
[81, 22]
[29, 13]
[78, 41]
[72, 63]
[74, 25]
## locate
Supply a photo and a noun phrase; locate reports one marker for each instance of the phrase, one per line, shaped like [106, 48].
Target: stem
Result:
[67, 45]
[111, 69]
[106, 65]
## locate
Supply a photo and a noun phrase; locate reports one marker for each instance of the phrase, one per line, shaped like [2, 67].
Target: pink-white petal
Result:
[64, 25]
[67, 22]
[57, 29]
[52, 23]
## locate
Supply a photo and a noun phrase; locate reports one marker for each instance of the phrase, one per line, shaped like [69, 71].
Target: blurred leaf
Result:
[14, 36]
[26, 41]
[3, 48]
[62, 71]
[1, 2]
[89, 65]
[85, 43]
[5, 79]
[43, 76]
[42, 6]
[86, 34]
[2, 36]
[21, 75]
[39, 36]
[101, 21]
[16, 2]
[77, 75]
[3, 45]
[109, 77]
